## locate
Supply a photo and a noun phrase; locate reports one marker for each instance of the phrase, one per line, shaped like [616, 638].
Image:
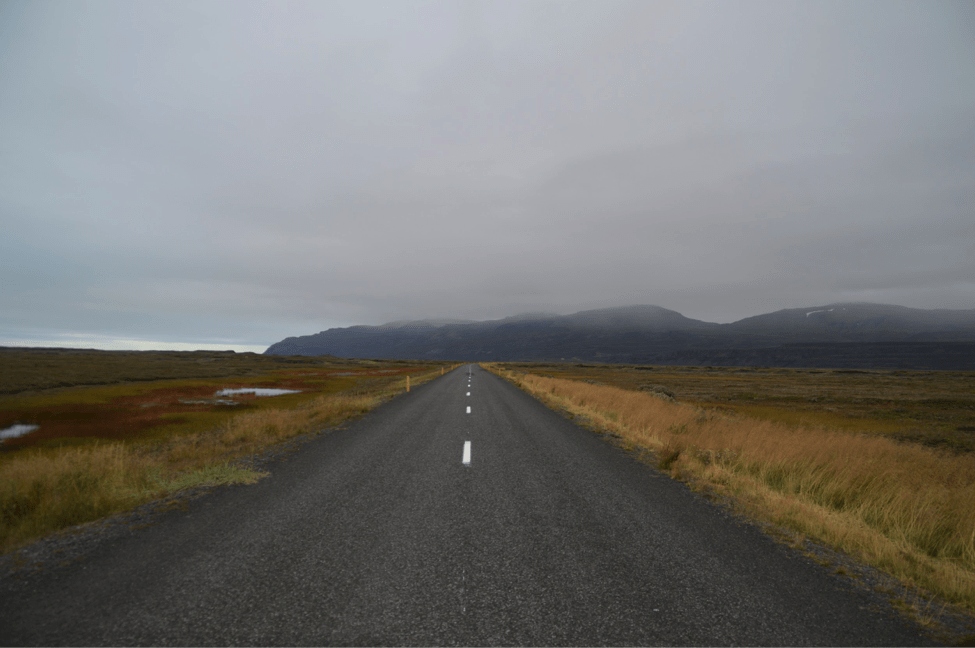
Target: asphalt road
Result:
[380, 534]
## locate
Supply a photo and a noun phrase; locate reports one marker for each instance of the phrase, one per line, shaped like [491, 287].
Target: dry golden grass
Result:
[934, 408]
[904, 508]
[47, 490]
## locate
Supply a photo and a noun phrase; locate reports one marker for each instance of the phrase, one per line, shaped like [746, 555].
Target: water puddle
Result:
[16, 430]
[257, 391]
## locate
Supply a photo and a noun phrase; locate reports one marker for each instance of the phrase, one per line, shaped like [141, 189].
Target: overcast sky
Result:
[227, 174]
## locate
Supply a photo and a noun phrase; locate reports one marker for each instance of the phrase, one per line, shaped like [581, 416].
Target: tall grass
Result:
[46, 491]
[74, 486]
[906, 509]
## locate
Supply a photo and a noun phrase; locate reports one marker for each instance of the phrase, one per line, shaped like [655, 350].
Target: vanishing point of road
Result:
[462, 513]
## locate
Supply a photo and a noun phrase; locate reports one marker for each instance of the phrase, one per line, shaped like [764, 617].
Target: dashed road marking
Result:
[468, 409]
[467, 453]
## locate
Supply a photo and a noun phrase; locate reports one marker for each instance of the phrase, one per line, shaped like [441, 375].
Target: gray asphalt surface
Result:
[377, 534]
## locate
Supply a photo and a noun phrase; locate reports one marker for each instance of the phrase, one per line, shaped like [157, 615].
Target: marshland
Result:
[106, 431]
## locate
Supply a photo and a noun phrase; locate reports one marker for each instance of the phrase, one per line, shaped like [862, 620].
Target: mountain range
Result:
[860, 335]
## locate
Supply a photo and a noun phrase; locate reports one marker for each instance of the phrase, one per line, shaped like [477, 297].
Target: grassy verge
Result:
[45, 490]
[904, 508]
[933, 408]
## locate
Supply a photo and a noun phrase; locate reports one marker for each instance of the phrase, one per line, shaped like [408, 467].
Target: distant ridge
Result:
[861, 335]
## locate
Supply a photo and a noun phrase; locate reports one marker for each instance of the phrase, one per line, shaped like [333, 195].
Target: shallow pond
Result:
[257, 391]
[14, 431]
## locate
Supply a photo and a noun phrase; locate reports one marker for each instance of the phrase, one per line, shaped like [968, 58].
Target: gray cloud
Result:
[242, 172]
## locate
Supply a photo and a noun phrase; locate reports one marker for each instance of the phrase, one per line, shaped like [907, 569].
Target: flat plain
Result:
[932, 408]
[463, 513]
[118, 429]
[112, 430]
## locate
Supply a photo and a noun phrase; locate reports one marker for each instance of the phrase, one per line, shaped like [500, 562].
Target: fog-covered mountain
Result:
[839, 335]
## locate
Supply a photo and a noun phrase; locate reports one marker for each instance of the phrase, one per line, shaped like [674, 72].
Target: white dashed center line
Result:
[468, 393]
[468, 409]
[467, 453]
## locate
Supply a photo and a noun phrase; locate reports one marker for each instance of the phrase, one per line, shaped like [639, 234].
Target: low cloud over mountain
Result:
[835, 335]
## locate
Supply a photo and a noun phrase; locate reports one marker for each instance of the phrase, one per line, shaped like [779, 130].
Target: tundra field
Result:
[931, 408]
[879, 465]
[119, 429]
